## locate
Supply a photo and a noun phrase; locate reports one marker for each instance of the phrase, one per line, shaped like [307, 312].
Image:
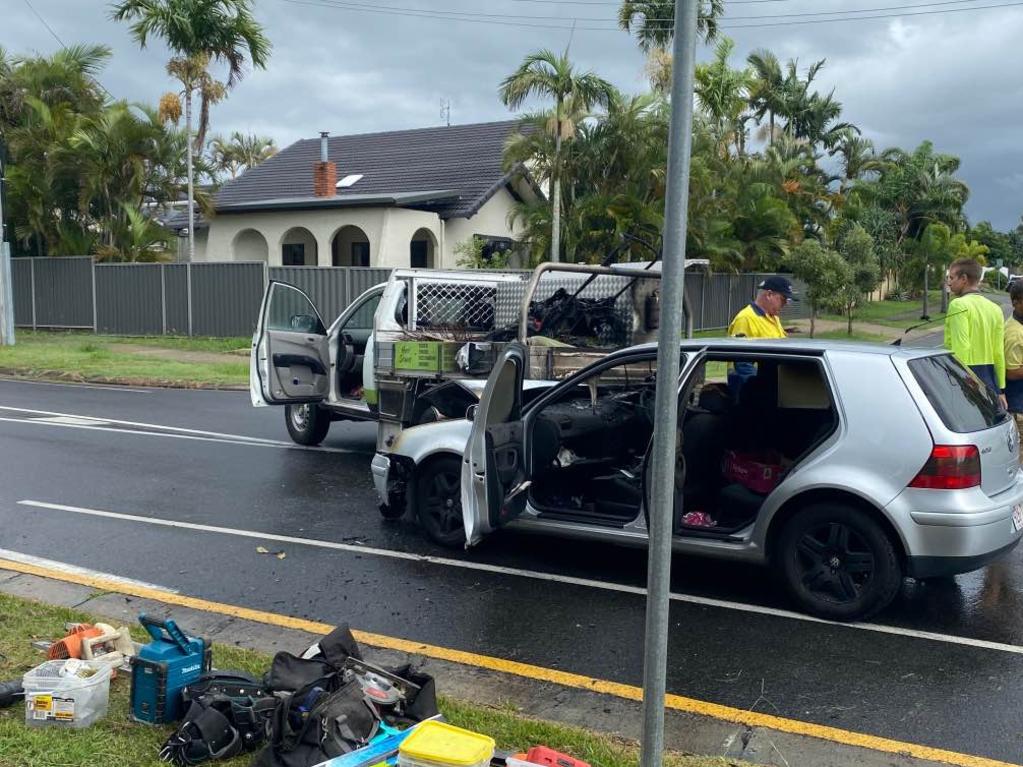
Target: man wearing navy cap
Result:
[760, 318]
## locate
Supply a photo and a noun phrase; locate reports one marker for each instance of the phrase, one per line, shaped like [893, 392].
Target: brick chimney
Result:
[324, 171]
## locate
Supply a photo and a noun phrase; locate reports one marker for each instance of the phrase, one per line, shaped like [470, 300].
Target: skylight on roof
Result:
[348, 181]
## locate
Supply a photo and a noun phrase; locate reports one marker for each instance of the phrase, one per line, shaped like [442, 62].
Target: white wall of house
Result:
[389, 231]
[490, 221]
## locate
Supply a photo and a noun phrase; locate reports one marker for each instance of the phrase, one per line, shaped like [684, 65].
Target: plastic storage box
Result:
[437, 744]
[66, 693]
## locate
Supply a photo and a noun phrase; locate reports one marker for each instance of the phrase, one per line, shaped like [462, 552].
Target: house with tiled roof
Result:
[402, 198]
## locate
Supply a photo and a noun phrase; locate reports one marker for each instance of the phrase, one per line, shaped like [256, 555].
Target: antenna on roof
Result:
[445, 111]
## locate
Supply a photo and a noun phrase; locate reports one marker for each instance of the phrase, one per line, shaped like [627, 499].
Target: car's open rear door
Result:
[493, 466]
[290, 361]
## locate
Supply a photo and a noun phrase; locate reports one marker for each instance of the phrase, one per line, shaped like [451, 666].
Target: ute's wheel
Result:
[307, 424]
[439, 501]
[838, 563]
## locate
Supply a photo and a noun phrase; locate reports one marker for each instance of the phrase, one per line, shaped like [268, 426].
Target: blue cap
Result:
[779, 284]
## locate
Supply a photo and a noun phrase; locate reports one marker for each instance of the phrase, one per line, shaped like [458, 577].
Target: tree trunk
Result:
[944, 297]
[556, 195]
[849, 311]
[191, 190]
[813, 318]
[770, 137]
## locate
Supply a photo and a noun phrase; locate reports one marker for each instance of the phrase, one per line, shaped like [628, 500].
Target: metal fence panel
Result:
[129, 299]
[362, 279]
[21, 276]
[175, 286]
[225, 298]
[63, 292]
[327, 286]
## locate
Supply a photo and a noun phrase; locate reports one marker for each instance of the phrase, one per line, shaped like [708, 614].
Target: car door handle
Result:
[289, 360]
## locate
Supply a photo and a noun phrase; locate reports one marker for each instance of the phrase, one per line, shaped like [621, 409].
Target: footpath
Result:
[692, 727]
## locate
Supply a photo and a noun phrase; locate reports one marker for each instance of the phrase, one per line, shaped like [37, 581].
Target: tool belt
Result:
[229, 713]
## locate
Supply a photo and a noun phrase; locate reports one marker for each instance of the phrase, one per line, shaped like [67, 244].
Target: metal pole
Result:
[32, 272]
[163, 297]
[6, 279]
[188, 294]
[95, 310]
[676, 212]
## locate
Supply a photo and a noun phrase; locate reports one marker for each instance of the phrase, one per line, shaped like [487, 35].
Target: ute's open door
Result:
[290, 360]
[493, 467]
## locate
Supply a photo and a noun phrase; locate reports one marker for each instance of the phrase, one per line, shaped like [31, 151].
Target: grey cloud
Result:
[950, 78]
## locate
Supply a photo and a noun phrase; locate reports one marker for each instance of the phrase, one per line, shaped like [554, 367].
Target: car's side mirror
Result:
[304, 323]
[470, 412]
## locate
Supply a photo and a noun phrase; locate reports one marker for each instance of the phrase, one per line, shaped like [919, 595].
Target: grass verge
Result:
[118, 740]
[163, 361]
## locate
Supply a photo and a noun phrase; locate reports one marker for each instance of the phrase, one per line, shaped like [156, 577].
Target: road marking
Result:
[144, 425]
[101, 387]
[952, 639]
[64, 567]
[528, 671]
[68, 421]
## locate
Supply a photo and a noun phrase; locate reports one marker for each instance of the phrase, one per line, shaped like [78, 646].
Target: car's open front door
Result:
[290, 361]
[493, 467]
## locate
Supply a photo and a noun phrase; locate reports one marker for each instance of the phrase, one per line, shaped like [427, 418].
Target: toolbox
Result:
[163, 668]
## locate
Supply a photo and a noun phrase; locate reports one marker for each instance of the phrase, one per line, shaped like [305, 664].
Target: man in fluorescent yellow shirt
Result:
[1014, 355]
[974, 326]
[760, 318]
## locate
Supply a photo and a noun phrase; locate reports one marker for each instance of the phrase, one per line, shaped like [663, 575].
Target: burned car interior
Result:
[740, 436]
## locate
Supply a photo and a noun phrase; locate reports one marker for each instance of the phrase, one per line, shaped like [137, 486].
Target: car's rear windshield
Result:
[963, 402]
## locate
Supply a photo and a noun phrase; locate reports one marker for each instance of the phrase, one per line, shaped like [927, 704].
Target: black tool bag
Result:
[323, 711]
[326, 718]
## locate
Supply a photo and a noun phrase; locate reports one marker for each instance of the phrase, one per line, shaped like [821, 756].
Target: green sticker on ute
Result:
[415, 355]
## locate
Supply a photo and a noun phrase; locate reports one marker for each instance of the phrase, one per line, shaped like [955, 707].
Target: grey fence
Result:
[222, 299]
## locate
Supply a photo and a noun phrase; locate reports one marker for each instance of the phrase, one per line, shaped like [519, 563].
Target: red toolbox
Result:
[548, 757]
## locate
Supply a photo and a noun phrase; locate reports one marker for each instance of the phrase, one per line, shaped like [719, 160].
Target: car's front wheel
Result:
[439, 500]
[307, 424]
[837, 562]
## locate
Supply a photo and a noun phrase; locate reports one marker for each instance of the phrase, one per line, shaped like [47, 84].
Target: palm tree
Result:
[653, 21]
[723, 94]
[548, 75]
[767, 91]
[857, 158]
[219, 30]
[253, 149]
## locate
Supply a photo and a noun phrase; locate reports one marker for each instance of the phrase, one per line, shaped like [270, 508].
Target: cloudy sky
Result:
[352, 66]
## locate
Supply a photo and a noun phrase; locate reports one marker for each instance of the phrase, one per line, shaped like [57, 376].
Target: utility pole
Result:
[662, 506]
[6, 286]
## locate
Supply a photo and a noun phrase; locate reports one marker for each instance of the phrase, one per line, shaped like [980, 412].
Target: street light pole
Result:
[676, 212]
[6, 287]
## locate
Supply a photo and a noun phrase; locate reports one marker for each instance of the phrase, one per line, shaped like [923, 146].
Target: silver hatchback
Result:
[845, 467]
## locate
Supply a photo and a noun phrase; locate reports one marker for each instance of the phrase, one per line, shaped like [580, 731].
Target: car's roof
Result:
[794, 346]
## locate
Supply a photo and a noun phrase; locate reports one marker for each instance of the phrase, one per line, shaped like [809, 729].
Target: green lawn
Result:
[896, 314]
[116, 740]
[163, 361]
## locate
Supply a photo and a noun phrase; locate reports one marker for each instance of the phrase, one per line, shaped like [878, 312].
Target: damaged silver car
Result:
[845, 467]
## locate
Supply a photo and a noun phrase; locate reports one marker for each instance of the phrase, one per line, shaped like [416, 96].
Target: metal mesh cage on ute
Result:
[454, 306]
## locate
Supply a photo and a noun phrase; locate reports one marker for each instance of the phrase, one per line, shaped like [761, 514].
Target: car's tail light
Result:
[950, 467]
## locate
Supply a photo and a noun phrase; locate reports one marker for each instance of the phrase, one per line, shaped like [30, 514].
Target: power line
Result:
[528, 21]
[62, 43]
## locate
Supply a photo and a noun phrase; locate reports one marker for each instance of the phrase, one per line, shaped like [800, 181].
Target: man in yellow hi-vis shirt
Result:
[759, 319]
[975, 326]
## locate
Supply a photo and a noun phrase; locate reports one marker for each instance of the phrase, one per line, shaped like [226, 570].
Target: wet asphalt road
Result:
[960, 697]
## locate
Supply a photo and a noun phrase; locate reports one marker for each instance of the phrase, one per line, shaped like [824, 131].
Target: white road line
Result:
[101, 387]
[532, 575]
[64, 567]
[242, 441]
[144, 425]
[71, 420]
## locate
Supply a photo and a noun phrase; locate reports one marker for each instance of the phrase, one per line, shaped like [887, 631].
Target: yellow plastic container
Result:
[437, 744]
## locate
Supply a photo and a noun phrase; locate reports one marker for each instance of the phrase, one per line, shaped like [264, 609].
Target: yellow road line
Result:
[538, 673]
